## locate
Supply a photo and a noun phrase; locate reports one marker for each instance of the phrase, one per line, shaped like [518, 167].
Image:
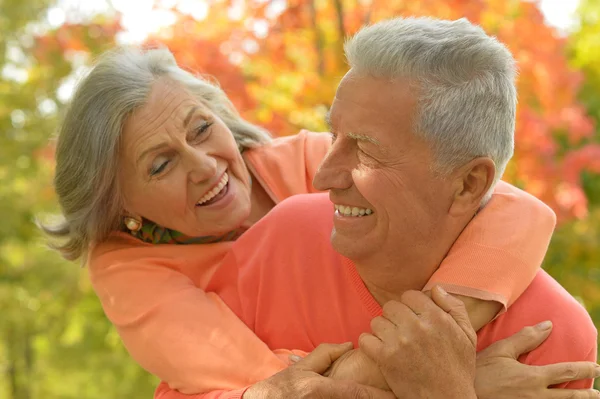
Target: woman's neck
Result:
[262, 203]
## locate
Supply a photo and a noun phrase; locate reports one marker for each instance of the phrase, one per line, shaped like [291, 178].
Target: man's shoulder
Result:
[297, 228]
[299, 215]
[573, 336]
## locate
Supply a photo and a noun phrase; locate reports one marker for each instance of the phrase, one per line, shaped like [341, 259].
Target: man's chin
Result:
[349, 247]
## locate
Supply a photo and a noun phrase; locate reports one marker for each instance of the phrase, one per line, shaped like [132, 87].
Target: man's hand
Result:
[355, 366]
[500, 375]
[424, 347]
[304, 380]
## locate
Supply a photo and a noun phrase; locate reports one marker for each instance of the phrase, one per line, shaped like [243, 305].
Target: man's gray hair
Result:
[465, 82]
[88, 142]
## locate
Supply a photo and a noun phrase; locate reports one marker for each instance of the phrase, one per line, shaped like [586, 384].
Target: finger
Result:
[572, 371]
[370, 345]
[384, 329]
[349, 389]
[294, 358]
[571, 394]
[524, 341]
[322, 357]
[418, 302]
[368, 392]
[398, 313]
[455, 308]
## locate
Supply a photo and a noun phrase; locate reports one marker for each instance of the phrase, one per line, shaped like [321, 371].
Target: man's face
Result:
[378, 173]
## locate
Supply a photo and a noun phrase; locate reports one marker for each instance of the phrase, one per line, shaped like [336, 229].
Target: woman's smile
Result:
[217, 192]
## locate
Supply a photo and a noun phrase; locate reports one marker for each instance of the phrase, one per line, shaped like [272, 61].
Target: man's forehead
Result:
[377, 100]
[359, 129]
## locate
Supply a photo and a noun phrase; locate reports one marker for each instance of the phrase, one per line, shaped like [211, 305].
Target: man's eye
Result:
[157, 169]
[333, 137]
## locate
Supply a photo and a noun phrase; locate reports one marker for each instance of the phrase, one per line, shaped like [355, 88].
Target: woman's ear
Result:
[472, 182]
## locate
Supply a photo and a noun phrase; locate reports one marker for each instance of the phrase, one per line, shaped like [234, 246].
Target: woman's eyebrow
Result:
[150, 150]
[189, 116]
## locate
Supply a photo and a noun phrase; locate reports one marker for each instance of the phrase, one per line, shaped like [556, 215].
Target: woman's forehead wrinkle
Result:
[167, 110]
[144, 122]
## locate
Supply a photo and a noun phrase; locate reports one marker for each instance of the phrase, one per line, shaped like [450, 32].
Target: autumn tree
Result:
[280, 63]
[55, 341]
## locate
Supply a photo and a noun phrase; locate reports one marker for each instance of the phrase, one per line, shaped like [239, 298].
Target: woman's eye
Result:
[333, 137]
[159, 168]
[203, 128]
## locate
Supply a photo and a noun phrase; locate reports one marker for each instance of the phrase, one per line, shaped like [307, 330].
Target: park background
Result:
[280, 62]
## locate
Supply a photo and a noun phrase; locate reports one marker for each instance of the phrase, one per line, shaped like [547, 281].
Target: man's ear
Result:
[471, 182]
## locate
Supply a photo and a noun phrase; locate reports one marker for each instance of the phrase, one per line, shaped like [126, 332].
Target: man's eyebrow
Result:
[328, 119]
[189, 116]
[363, 137]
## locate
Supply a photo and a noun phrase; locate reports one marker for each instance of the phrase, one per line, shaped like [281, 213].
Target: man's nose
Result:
[335, 171]
[201, 166]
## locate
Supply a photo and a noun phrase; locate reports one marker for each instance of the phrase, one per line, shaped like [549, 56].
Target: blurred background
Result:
[280, 62]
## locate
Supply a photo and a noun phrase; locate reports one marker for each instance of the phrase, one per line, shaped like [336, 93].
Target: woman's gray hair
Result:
[88, 141]
[465, 82]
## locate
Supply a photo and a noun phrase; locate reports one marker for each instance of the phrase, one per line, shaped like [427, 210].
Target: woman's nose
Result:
[202, 166]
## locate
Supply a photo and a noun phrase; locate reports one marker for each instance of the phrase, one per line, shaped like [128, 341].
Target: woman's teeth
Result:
[352, 211]
[213, 193]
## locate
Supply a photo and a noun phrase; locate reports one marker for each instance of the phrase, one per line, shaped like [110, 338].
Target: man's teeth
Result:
[212, 193]
[352, 210]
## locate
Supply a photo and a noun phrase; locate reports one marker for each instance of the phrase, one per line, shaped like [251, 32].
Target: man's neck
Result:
[387, 274]
[387, 279]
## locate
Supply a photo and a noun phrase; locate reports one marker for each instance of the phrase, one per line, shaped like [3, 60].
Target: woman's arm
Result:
[498, 254]
[183, 335]
[500, 375]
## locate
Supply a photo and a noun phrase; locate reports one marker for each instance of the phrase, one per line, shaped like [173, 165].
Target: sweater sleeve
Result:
[500, 251]
[185, 336]
[164, 392]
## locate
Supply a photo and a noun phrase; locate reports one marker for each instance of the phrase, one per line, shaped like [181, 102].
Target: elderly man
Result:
[423, 127]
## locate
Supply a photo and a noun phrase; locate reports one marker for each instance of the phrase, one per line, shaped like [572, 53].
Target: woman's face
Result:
[180, 166]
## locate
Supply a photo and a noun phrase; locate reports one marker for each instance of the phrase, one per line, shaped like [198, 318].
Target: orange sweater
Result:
[320, 297]
[154, 295]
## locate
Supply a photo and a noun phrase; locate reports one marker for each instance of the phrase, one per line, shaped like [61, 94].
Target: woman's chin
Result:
[221, 224]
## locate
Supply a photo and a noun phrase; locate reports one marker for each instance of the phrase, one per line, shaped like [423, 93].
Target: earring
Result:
[133, 224]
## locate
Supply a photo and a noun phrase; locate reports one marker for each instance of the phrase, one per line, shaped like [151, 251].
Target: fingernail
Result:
[442, 291]
[295, 358]
[544, 326]
[597, 370]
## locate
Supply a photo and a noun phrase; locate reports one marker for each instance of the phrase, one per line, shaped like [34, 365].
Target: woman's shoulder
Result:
[301, 143]
[121, 248]
[123, 257]
[287, 165]
[117, 242]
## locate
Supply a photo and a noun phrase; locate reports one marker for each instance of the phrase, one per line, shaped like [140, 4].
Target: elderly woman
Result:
[157, 175]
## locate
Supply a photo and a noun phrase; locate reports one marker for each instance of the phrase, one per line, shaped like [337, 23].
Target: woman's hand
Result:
[499, 375]
[304, 380]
